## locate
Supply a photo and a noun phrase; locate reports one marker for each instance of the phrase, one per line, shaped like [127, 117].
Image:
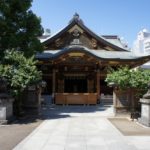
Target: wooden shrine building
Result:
[75, 61]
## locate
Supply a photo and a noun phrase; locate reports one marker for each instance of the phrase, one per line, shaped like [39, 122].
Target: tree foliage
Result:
[19, 27]
[19, 71]
[127, 78]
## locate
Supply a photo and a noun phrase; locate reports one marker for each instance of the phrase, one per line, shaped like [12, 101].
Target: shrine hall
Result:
[75, 62]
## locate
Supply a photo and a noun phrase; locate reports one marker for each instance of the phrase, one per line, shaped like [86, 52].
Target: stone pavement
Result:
[80, 128]
[14, 133]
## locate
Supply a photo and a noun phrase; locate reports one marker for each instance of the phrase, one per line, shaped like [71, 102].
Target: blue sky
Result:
[114, 17]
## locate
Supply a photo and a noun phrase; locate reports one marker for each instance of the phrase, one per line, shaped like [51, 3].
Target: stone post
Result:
[6, 103]
[6, 108]
[145, 109]
[32, 100]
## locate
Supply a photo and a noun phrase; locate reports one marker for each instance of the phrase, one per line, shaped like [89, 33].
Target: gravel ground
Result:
[14, 133]
[130, 128]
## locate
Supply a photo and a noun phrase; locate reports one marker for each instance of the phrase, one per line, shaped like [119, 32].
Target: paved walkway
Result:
[80, 128]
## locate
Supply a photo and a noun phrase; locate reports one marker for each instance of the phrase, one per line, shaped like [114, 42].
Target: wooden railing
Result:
[76, 98]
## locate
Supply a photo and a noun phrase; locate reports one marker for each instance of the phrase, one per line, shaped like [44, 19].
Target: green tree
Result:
[125, 78]
[19, 27]
[19, 72]
[119, 77]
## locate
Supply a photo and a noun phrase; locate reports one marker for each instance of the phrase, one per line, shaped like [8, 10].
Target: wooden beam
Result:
[98, 83]
[53, 84]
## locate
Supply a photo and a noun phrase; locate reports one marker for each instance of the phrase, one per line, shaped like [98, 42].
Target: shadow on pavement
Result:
[59, 111]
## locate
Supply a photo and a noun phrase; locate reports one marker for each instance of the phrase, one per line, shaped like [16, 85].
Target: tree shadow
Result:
[60, 111]
[49, 112]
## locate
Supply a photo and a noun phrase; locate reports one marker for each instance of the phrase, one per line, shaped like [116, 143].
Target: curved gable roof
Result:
[77, 21]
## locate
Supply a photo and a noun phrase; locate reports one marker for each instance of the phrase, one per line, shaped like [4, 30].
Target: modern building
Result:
[141, 46]
[142, 43]
[75, 63]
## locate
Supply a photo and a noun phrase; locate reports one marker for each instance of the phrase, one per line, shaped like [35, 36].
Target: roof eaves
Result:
[51, 55]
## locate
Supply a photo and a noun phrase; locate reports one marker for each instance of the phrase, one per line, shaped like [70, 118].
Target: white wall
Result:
[141, 45]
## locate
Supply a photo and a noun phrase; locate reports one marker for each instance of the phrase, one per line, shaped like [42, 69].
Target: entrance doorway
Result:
[75, 85]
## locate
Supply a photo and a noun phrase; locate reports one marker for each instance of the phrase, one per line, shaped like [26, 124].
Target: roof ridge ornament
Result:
[76, 17]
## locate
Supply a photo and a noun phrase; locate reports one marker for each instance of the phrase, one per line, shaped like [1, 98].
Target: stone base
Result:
[9, 120]
[145, 112]
[144, 122]
[121, 110]
[3, 122]
[31, 100]
[6, 109]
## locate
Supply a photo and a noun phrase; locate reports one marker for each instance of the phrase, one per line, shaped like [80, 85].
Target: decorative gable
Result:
[76, 33]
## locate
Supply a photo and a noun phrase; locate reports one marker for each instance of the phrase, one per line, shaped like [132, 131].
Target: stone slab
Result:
[79, 128]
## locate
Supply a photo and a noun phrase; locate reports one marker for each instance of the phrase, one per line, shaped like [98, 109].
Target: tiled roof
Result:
[100, 54]
[109, 41]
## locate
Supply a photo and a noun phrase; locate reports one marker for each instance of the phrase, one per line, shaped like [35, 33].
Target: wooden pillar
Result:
[63, 86]
[88, 85]
[132, 99]
[115, 100]
[53, 85]
[98, 84]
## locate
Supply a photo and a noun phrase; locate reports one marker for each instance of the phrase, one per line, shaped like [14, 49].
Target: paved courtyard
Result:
[80, 128]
